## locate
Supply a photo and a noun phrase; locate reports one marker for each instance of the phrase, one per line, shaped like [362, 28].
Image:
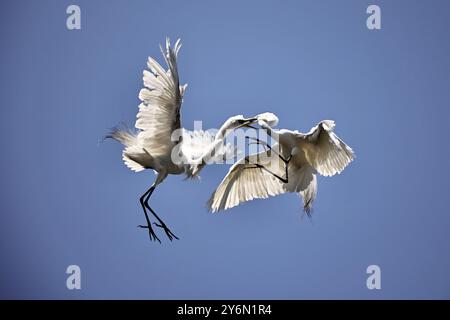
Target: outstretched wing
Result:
[245, 182]
[159, 112]
[323, 149]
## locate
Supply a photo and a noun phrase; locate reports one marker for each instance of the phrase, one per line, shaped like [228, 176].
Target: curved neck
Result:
[209, 153]
[222, 133]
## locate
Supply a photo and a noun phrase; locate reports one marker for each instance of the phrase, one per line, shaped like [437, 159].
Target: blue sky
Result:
[66, 199]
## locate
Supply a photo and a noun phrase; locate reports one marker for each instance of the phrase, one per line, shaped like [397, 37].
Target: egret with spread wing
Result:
[156, 145]
[289, 165]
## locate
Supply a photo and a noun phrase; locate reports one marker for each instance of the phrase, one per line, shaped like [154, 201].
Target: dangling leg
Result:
[161, 223]
[269, 148]
[161, 176]
[151, 233]
[260, 166]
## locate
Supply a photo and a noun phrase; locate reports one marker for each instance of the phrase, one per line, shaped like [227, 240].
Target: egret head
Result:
[238, 121]
[234, 123]
[267, 118]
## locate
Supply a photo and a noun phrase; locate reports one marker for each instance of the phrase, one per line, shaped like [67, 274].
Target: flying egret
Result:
[156, 145]
[290, 165]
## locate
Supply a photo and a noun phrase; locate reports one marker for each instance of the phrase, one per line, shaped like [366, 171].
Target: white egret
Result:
[290, 165]
[156, 145]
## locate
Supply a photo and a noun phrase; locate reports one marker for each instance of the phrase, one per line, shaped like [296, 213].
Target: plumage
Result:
[324, 150]
[318, 151]
[159, 143]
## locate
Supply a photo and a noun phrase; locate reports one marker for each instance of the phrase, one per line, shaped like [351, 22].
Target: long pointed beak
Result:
[247, 123]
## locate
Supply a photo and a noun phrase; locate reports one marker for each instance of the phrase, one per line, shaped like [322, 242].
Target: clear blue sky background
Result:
[65, 199]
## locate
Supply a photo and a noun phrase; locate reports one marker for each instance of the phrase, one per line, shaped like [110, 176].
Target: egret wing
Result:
[159, 112]
[324, 150]
[245, 182]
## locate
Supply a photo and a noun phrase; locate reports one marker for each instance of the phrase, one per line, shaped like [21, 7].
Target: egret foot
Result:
[151, 233]
[169, 233]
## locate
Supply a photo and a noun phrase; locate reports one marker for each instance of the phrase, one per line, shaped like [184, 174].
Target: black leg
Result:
[161, 224]
[260, 166]
[151, 233]
[266, 145]
[286, 162]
